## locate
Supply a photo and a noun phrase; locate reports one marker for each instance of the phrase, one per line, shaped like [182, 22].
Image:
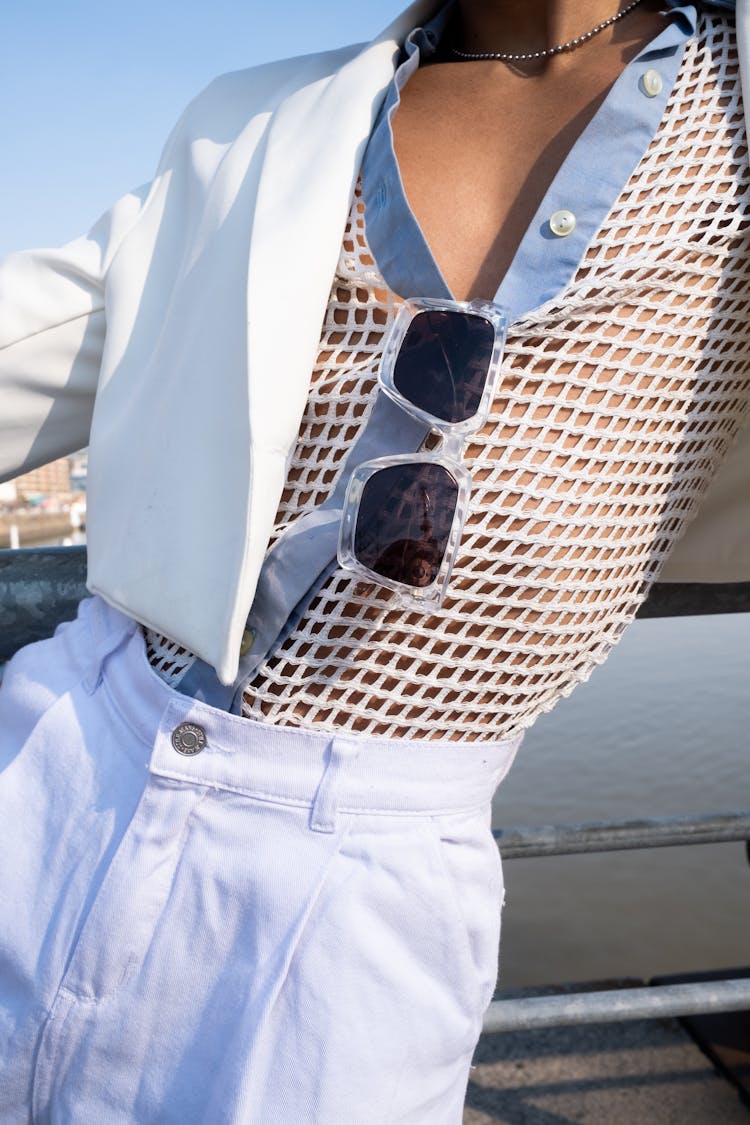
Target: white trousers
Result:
[209, 919]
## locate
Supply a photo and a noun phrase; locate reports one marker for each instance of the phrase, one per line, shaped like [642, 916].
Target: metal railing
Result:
[41, 587]
[613, 1005]
[623, 835]
[617, 1004]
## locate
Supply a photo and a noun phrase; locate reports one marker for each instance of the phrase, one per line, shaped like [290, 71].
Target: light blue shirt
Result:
[588, 183]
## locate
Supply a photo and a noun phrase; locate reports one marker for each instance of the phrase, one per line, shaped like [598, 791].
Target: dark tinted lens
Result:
[404, 522]
[443, 363]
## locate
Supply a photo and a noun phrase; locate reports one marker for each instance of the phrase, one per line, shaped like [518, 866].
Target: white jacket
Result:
[177, 341]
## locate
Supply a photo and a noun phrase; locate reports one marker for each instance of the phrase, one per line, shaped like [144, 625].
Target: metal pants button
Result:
[189, 738]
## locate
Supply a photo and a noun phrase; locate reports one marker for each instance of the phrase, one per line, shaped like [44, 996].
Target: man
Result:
[292, 913]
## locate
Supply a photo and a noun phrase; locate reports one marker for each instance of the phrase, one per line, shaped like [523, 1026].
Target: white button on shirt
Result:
[651, 83]
[562, 223]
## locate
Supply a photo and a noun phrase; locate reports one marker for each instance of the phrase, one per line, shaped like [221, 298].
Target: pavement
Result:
[638, 1072]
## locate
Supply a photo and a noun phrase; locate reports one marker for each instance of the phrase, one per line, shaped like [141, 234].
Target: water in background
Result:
[663, 728]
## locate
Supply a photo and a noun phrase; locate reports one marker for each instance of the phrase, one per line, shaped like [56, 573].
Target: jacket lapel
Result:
[314, 146]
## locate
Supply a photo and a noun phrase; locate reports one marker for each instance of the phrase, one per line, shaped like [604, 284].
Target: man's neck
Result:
[521, 26]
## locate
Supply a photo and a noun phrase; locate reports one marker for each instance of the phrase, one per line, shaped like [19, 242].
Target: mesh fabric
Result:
[618, 400]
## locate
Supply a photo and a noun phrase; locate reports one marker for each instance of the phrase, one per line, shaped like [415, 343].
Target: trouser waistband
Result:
[192, 741]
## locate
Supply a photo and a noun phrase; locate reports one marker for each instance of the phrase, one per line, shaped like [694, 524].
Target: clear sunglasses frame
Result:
[453, 440]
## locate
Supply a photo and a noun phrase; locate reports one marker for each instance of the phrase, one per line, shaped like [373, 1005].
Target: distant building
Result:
[79, 467]
[47, 480]
[8, 492]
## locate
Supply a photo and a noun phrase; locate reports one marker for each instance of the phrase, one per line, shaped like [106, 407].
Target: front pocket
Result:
[474, 891]
[123, 916]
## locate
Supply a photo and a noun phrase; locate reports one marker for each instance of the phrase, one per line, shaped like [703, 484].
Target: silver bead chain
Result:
[506, 56]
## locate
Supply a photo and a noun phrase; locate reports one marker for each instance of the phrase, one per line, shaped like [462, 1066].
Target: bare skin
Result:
[478, 143]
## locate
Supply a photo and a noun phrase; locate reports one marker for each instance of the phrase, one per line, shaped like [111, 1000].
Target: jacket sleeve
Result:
[53, 303]
[52, 328]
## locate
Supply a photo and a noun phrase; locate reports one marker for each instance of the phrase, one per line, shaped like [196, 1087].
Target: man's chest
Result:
[478, 147]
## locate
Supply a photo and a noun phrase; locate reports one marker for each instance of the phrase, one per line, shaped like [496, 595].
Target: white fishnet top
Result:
[618, 400]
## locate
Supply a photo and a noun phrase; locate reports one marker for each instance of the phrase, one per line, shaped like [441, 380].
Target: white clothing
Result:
[282, 928]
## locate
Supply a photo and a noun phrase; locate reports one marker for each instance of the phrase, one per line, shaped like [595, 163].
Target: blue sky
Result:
[89, 90]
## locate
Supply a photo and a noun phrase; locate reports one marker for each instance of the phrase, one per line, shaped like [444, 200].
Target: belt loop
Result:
[341, 753]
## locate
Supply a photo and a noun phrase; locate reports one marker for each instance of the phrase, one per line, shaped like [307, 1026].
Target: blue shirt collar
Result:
[395, 237]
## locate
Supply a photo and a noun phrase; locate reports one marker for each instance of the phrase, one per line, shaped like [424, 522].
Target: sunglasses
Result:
[403, 516]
